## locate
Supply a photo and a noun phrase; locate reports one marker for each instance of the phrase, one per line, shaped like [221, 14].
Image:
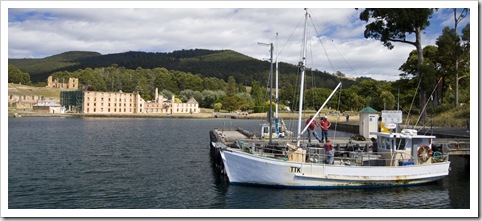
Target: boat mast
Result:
[276, 119]
[302, 68]
[270, 114]
[271, 94]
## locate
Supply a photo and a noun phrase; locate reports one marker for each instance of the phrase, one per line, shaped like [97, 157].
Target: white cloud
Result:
[44, 32]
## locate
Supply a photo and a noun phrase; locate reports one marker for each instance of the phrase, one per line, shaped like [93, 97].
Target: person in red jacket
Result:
[311, 129]
[329, 152]
[325, 125]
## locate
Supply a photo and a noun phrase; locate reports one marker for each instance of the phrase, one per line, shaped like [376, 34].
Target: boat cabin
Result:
[404, 148]
[275, 133]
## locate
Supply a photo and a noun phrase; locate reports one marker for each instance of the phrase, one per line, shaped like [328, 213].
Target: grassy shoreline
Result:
[452, 118]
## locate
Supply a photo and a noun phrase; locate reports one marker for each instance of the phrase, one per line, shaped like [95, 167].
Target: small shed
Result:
[48, 107]
[368, 121]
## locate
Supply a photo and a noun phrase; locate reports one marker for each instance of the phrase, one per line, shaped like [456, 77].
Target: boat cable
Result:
[411, 105]
[338, 116]
[330, 40]
[428, 100]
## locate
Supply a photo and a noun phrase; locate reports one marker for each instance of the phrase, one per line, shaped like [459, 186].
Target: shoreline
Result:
[256, 116]
[352, 126]
[150, 115]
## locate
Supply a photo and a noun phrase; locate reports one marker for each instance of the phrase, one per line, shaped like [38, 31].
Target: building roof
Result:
[47, 104]
[368, 110]
[192, 101]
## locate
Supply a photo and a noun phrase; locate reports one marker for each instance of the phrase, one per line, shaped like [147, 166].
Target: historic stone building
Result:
[112, 103]
[23, 101]
[192, 106]
[72, 84]
[95, 102]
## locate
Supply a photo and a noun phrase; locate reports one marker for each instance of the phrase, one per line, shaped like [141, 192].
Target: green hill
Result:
[40, 69]
[208, 63]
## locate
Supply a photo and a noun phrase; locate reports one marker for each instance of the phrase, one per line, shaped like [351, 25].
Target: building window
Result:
[94, 110]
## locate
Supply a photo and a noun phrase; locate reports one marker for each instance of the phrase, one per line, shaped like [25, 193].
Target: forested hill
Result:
[208, 63]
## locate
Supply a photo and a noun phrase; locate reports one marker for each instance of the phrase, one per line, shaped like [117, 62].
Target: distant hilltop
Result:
[208, 63]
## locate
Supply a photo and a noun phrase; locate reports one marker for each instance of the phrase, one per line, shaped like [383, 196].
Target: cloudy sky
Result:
[335, 32]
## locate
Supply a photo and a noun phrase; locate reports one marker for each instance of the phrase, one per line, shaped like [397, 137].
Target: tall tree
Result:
[395, 25]
[257, 93]
[430, 67]
[232, 87]
[458, 19]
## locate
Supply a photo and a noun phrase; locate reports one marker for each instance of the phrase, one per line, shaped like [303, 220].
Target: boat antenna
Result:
[302, 68]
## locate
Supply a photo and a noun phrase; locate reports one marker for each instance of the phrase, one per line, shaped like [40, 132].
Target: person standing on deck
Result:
[329, 152]
[324, 124]
[311, 129]
[374, 145]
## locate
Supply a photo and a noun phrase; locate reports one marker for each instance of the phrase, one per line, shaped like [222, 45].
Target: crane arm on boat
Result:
[317, 113]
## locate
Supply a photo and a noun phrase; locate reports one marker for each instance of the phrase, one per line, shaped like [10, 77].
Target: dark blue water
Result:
[165, 163]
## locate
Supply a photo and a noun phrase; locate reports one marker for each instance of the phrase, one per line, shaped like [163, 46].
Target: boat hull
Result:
[248, 169]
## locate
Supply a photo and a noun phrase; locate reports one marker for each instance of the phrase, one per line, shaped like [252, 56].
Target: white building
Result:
[95, 102]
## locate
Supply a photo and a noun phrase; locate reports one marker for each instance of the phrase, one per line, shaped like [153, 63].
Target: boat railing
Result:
[342, 157]
[276, 151]
[402, 158]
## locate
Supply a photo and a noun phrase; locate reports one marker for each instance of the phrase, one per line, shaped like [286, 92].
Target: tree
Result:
[209, 97]
[315, 97]
[231, 103]
[257, 93]
[245, 101]
[430, 68]
[457, 56]
[232, 87]
[15, 75]
[167, 94]
[340, 74]
[185, 95]
[394, 25]
[388, 100]
[451, 52]
[217, 107]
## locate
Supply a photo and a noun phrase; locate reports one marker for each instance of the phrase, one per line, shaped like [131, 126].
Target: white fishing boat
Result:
[403, 158]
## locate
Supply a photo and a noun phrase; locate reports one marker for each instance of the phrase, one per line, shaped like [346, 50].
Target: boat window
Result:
[401, 145]
[384, 143]
[416, 143]
[265, 129]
